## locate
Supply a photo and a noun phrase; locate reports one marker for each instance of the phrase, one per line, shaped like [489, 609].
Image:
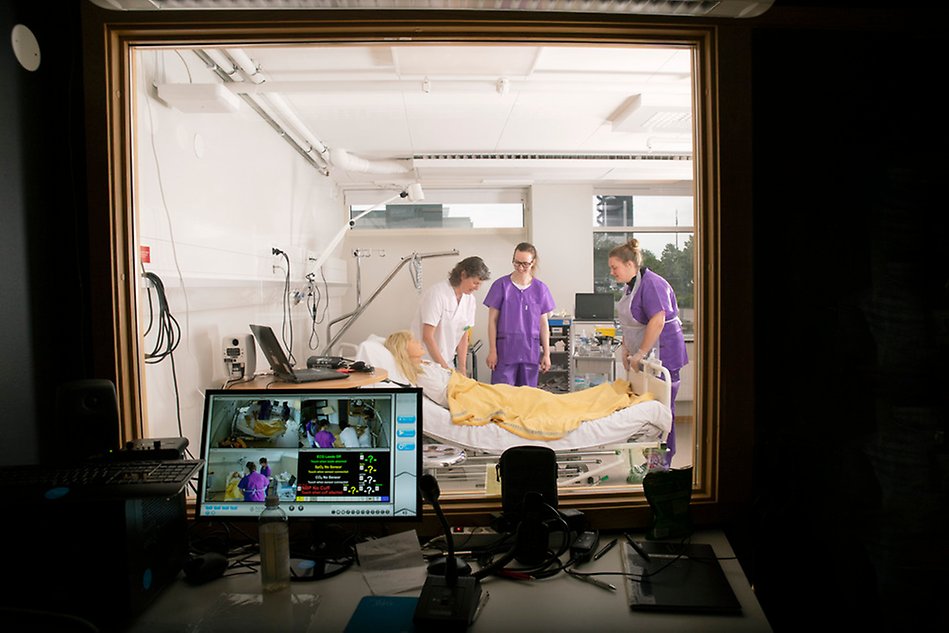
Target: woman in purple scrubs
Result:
[518, 305]
[253, 485]
[649, 315]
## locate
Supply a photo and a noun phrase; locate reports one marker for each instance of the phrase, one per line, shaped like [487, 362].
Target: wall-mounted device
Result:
[240, 356]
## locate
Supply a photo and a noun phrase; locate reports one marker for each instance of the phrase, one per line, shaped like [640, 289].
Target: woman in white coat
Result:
[447, 311]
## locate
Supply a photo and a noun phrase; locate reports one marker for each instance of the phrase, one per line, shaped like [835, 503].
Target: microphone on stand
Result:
[450, 595]
[448, 566]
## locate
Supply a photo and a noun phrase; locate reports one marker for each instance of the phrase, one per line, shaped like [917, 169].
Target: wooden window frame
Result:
[108, 40]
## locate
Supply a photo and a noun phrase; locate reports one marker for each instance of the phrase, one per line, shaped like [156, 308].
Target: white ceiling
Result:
[484, 115]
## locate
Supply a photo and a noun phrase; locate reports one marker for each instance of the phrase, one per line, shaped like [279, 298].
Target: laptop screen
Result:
[594, 306]
[271, 347]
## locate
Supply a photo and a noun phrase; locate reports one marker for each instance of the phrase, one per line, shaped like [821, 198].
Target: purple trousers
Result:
[517, 374]
[671, 440]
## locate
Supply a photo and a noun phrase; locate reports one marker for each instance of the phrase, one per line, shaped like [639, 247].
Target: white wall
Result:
[561, 229]
[213, 195]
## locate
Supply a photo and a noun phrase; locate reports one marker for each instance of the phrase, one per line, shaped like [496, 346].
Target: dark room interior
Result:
[846, 518]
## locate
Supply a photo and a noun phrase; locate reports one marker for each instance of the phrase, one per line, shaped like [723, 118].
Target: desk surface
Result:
[355, 379]
[560, 603]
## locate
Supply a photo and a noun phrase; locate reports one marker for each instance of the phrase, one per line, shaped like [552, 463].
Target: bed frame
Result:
[577, 467]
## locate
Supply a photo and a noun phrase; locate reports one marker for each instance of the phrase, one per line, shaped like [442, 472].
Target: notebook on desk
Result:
[678, 578]
[281, 364]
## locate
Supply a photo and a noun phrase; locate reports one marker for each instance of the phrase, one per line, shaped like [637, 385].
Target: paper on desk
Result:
[231, 611]
[392, 564]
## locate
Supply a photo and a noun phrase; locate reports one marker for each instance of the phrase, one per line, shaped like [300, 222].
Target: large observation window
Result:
[223, 263]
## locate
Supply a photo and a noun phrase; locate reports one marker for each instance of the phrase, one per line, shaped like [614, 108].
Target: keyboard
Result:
[103, 479]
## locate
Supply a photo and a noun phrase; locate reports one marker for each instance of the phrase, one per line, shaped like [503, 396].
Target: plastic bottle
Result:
[274, 534]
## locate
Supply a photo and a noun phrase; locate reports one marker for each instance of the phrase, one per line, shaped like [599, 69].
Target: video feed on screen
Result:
[321, 453]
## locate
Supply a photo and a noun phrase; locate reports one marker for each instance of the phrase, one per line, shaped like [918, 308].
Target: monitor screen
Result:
[344, 454]
[593, 306]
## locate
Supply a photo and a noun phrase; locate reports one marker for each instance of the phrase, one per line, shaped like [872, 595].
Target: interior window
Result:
[198, 284]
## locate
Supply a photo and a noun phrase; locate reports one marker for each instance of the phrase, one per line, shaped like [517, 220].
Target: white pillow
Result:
[373, 351]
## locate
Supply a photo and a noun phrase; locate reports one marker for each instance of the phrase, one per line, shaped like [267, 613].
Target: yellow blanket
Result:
[533, 413]
[266, 428]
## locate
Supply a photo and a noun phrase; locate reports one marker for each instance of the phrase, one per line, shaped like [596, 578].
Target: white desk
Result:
[560, 603]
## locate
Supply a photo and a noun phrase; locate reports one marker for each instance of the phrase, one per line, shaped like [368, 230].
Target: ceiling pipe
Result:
[339, 158]
[222, 68]
[348, 162]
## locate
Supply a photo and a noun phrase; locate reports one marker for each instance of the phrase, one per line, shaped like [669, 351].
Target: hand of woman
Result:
[633, 361]
[492, 360]
[545, 362]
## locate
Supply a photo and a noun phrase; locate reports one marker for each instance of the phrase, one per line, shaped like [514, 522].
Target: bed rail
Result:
[653, 378]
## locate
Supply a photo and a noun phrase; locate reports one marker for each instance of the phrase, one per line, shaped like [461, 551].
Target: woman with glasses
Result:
[518, 305]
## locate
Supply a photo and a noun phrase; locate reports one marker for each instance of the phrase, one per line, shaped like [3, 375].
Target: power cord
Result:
[169, 332]
[287, 324]
[549, 566]
[313, 300]
[167, 338]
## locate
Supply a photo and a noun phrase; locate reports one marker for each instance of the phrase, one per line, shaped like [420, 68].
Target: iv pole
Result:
[352, 316]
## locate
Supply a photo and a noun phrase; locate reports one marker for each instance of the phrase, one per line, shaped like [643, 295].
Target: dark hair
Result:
[263, 460]
[251, 466]
[629, 252]
[471, 267]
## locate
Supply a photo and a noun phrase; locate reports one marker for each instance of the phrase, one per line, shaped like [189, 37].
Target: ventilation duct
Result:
[342, 159]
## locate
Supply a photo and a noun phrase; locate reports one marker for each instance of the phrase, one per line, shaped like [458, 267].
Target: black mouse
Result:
[204, 568]
[360, 366]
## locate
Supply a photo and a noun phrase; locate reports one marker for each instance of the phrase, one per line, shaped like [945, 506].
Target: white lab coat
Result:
[450, 316]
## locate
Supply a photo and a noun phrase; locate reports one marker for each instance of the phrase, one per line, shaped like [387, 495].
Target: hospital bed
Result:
[247, 424]
[593, 453]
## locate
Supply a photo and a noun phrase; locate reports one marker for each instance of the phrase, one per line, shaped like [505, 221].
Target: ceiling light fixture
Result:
[658, 113]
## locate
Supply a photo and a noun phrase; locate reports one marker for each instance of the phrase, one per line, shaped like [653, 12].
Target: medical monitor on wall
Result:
[343, 455]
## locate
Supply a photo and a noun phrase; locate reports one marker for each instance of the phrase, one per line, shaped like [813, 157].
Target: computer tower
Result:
[101, 560]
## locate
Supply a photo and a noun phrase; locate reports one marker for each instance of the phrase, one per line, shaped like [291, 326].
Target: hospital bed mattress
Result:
[643, 422]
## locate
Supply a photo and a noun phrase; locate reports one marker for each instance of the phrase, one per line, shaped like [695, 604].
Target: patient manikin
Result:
[431, 377]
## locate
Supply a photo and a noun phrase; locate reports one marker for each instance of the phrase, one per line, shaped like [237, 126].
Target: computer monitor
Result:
[593, 306]
[366, 468]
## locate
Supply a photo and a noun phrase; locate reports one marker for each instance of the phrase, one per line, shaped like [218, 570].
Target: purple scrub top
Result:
[519, 312]
[653, 295]
[254, 486]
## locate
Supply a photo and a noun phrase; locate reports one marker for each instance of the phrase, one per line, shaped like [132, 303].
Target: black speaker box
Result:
[86, 421]
[525, 469]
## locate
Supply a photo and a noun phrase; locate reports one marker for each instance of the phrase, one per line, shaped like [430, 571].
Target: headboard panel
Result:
[654, 378]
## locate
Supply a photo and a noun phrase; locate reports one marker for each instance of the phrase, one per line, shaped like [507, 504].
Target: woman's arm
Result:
[462, 354]
[492, 360]
[428, 337]
[544, 343]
